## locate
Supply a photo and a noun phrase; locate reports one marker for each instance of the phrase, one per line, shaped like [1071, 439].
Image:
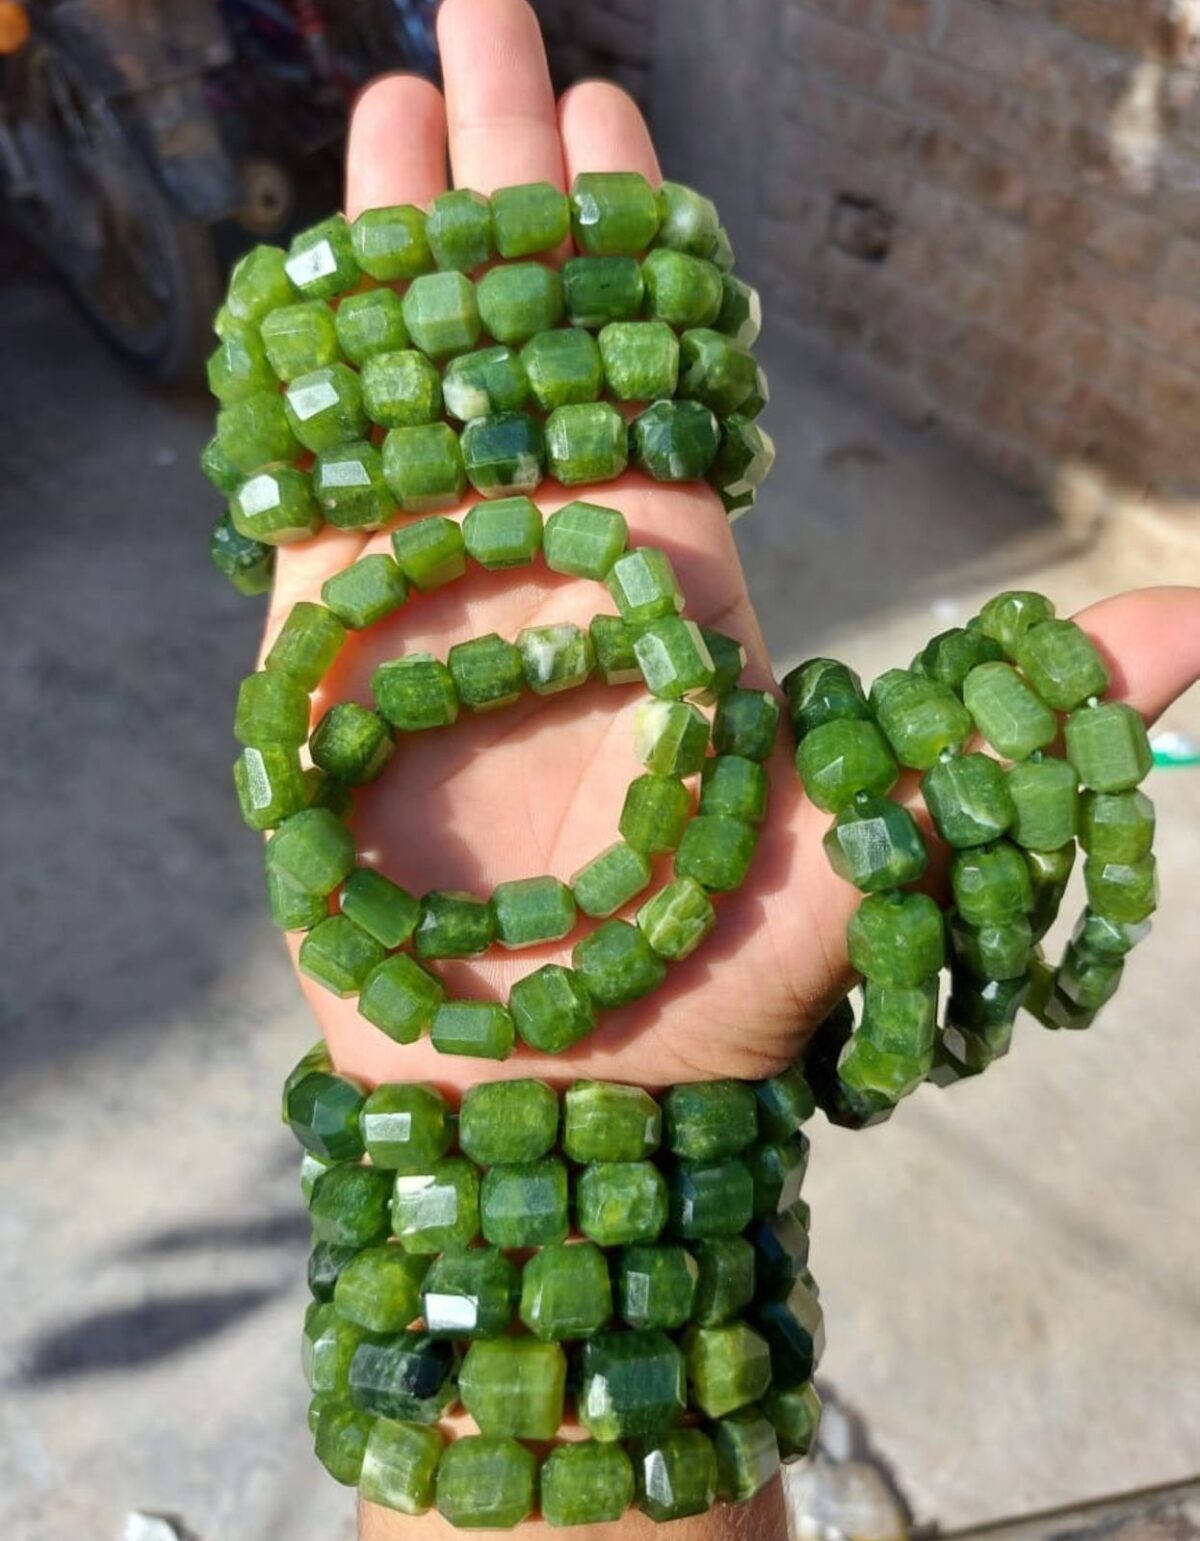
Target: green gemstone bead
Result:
[415, 693]
[326, 792]
[321, 261]
[454, 925]
[729, 660]
[746, 723]
[1048, 875]
[275, 507]
[1099, 936]
[707, 1120]
[897, 938]
[617, 964]
[566, 1292]
[673, 658]
[968, 798]
[986, 1008]
[520, 300]
[716, 371]
[312, 851]
[379, 1290]
[306, 644]
[400, 997]
[423, 468]
[1122, 891]
[409, 1376]
[504, 533]
[675, 441]
[597, 290]
[726, 1283]
[997, 951]
[370, 326]
[338, 955]
[258, 284]
[681, 290]
[612, 643]
[613, 213]
[740, 315]
[899, 1019]
[1108, 747]
[1009, 615]
[619, 1202]
[1061, 664]
[709, 1199]
[584, 540]
[514, 1386]
[291, 909]
[436, 1210]
[820, 691]
[351, 743]
[606, 1122]
[677, 919]
[489, 380]
[390, 243]
[488, 672]
[270, 785]
[524, 1203]
[670, 738]
[795, 1332]
[399, 1466]
[326, 1262]
[348, 1206]
[991, 884]
[555, 658]
[327, 1349]
[795, 1414]
[920, 718]
[777, 1170]
[406, 1128]
[644, 586]
[640, 359]
[401, 389]
[506, 1121]
[655, 814]
[380, 907]
[656, 1286]
[747, 1455]
[1088, 983]
[486, 1483]
[562, 366]
[341, 1442]
[876, 845]
[587, 442]
[530, 218]
[843, 758]
[585, 1483]
[728, 1367]
[610, 880]
[349, 487]
[430, 552]
[631, 1384]
[742, 464]
[441, 312]
[470, 1294]
[503, 453]
[316, 1058]
[688, 220]
[298, 339]
[531, 911]
[551, 1008]
[676, 1475]
[1117, 826]
[779, 1254]
[238, 368]
[482, 1029]
[324, 1111]
[716, 851]
[1006, 711]
[247, 563]
[786, 1101]
[1045, 799]
[459, 229]
[325, 407]
[952, 654]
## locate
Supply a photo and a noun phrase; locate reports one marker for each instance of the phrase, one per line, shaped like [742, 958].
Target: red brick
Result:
[906, 18]
[983, 177]
[1153, 27]
[828, 46]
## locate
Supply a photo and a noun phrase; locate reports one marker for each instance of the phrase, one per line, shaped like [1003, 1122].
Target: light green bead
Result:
[675, 441]
[508, 1121]
[1108, 747]
[644, 586]
[338, 955]
[875, 844]
[524, 1204]
[631, 1384]
[406, 1127]
[795, 1414]
[348, 1206]
[399, 1466]
[688, 220]
[1122, 891]
[533, 911]
[390, 243]
[514, 1386]
[504, 533]
[656, 1286]
[459, 229]
[272, 708]
[326, 1350]
[1061, 663]
[321, 261]
[1009, 615]
[503, 453]
[379, 1290]
[325, 407]
[566, 1292]
[489, 380]
[612, 643]
[436, 1210]
[348, 484]
[897, 938]
[441, 312]
[551, 1008]
[900, 1019]
[1088, 982]
[920, 718]
[706, 1120]
[563, 367]
[583, 540]
[306, 644]
[258, 285]
[585, 1483]
[275, 507]
[1117, 826]
[640, 359]
[843, 758]
[270, 785]
[597, 290]
[677, 919]
[586, 443]
[520, 299]
[728, 1367]
[399, 998]
[604, 1121]
[341, 1442]
[716, 851]
[1045, 799]
[430, 552]
[218, 469]
[487, 671]
[482, 1029]
[366, 591]
[735, 787]
[616, 964]
[453, 925]
[670, 738]
[673, 657]
[1101, 937]
[654, 814]
[238, 368]
[716, 371]
[401, 389]
[312, 851]
[676, 1475]
[486, 1483]
[968, 799]
[351, 743]
[991, 884]
[371, 324]
[555, 658]
[613, 213]
[681, 290]
[300, 338]
[255, 431]
[423, 467]
[529, 218]
[1013, 719]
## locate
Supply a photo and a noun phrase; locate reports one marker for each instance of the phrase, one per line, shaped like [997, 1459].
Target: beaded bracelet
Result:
[438, 1279]
[345, 363]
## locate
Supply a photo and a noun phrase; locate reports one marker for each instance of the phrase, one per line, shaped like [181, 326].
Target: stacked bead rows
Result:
[1018, 678]
[692, 1326]
[312, 854]
[340, 393]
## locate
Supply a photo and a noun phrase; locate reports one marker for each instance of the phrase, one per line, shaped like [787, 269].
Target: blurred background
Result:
[976, 224]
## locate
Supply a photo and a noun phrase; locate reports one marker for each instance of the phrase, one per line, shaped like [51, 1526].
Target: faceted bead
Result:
[740, 315]
[441, 312]
[919, 717]
[1049, 872]
[247, 563]
[843, 758]
[415, 692]
[325, 407]
[786, 1101]
[991, 884]
[258, 284]
[1108, 747]
[675, 441]
[875, 845]
[390, 243]
[504, 533]
[551, 1008]
[677, 919]
[488, 672]
[275, 507]
[612, 643]
[380, 1289]
[430, 552]
[670, 738]
[899, 1019]
[341, 1442]
[778, 1255]
[1122, 891]
[726, 1281]
[1117, 826]
[349, 486]
[1088, 983]
[326, 792]
[369, 326]
[897, 938]
[1057, 1010]
[681, 290]
[327, 1349]
[610, 880]
[710, 1199]
[482, 1029]
[406, 1127]
[654, 814]
[239, 367]
[486, 1483]
[324, 1111]
[306, 644]
[585, 1483]
[619, 1202]
[586, 443]
[438, 1209]
[795, 1332]
[348, 1206]
[968, 798]
[270, 785]
[470, 1294]
[459, 229]
[520, 300]
[531, 911]
[326, 1262]
[715, 370]
[399, 1466]
[1045, 799]
[743, 462]
[321, 261]
[351, 743]
[508, 1121]
[566, 1292]
[672, 657]
[489, 380]
[630, 1384]
[298, 339]
[795, 1414]
[640, 358]
[562, 366]
[746, 723]
[613, 213]
[423, 467]
[822, 690]
[983, 1007]
[656, 1286]
[747, 1455]
[514, 1386]
[399, 998]
[401, 389]
[728, 1367]
[409, 1376]
[874, 1079]
[291, 909]
[555, 658]
[584, 540]
[530, 218]
[597, 290]
[316, 1058]
[1006, 617]
[524, 1203]
[716, 851]
[603, 1121]
[312, 851]
[503, 453]
[616, 964]
[952, 654]
[1101, 937]
[453, 925]
[676, 1475]
[688, 220]
[1006, 711]
[338, 955]
[644, 586]
[777, 1171]
[1061, 663]
[710, 1119]
[382, 908]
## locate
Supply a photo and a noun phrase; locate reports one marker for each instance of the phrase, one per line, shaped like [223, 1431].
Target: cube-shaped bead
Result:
[555, 657]
[952, 654]
[740, 315]
[514, 1386]
[406, 1127]
[471, 1294]
[1061, 663]
[238, 368]
[795, 1332]
[399, 1466]
[351, 743]
[415, 693]
[562, 366]
[348, 1206]
[441, 312]
[1014, 720]
[338, 955]
[656, 1286]
[715, 370]
[486, 1483]
[1006, 617]
[597, 290]
[617, 964]
[248, 564]
[968, 798]
[897, 938]
[584, 540]
[681, 290]
[1045, 799]
[613, 212]
[606, 883]
[430, 552]
[1117, 826]
[676, 1475]
[843, 758]
[530, 911]
[920, 718]
[612, 643]
[728, 1367]
[530, 218]
[875, 844]
[675, 441]
[459, 229]
[706, 1120]
[991, 883]
[341, 1441]
[453, 925]
[716, 851]
[503, 453]
[327, 792]
[488, 672]
[1122, 891]
[379, 1290]
[795, 1414]
[603, 1121]
[551, 1008]
[298, 339]
[423, 467]
[325, 407]
[746, 723]
[742, 464]
[508, 1121]
[1108, 747]
[1099, 936]
[688, 220]
[822, 690]
[366, 591]
[270, 785]
[370, 325]
[292, 910]
[324, 1111]
[399, 998]
[327, 1349]
[349, 487]
[482, 1029]
[306, 644]
[673, 657]
[631, 1384]
[586, 442]
[726, 1282]
[619, 1202]
[670, 737]
[996, 951]
[436, 1210]
[644, 586]
[585, 1483]
[312, 851]
[259, 284]
[640, 359]
[390, 243]
[382, 908]
[566, 1292]
[747, 1454]
[486, 381]
[524, 1203]
[401, 389]
[677, 919]
[409, 1377]
[1087, 982]
[321, 261]
[275, 507]
[899, 1019]
[520, 299]
[709, 1199]
[503, 533]
[734, 787]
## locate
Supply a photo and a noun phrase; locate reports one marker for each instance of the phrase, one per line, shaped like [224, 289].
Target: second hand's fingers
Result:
[397, 150]
[603, 130]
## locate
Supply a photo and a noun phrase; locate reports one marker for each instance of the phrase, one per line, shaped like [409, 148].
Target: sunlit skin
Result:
[537, 788]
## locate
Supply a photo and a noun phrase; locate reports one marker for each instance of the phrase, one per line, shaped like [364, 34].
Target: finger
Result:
[499, 101]
[603, 129]
[397, 150]
[1151, 641]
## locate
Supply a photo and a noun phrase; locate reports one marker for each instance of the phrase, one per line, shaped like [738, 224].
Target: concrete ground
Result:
[1009, 1269]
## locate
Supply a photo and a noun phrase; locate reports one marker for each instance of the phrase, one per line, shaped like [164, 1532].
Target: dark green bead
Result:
[735, 787]
[1122, 891]
[1061, 663]
[996, 951]
[380, 1289]
[631, 1384]
[341, 1441]
[348, 1206]
[897, 938]
[795, 1332]
[613, 213]
[259, 284]
[716, 851]
[672, 657]
[415, 693]
[554, 658]
[401, 389]
[482, 1029]
[390, 243]
[453, 925]
[312, 851]
[514, 1386]
[366, 591]
[508, 1121]
[399, 1466]
[716, 371]
[843, 758]
[503, 453]
[487, 671]
[471, 1294]
[677, 919]
[349, 486]
[486, 1483]
[323, 1110]
[406, 1127]
[1088, 982]
[586, 442]
[551, 1008]
[325, 1264]
[709, 1199]
[743, 463]
[779, 1255]
[1045, 801]
[1097, 936]
[746, 723]
[616, 964]
[321, 261]
[655, 814]
[585, 1483]
[777, 1172]
[620, 1202]
[562, 366]
[612, 644]
[520, 299]
[675, 441]
[566, 1292]
[682, 290]
[725, 1286]
[951, 656]
[351, 743]
[688, 220]
[270, 785]
[503, 533]
[326, 792]
[459, 229]
[1108, 747]
[785, 1102]
[1009, 615]
[441, 312]
[968, 798]
[409, 1376]
[436, 1210]
[382, 908]
[489, 380]
[291, 909]
[316, 1058]
[991, 884]
[876, 845]
[656, 1286]
[740, 315]
[248, 564]
[900, 1019]
[524, 1204]
[607, 1122]
[338, 955]
[795, 1414]
[399, 997]
[984, 1007]
[728, 1367]
[597, 290]
[919, 717]
[706, 1120]
[822, 690]
[369, 325]
[747, 1454]
[1010, 716]
[640, 359]
[530, 218]
[1117, 826]
[676, 1475]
